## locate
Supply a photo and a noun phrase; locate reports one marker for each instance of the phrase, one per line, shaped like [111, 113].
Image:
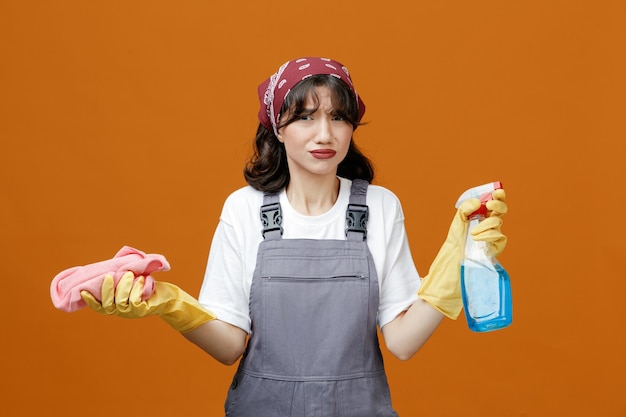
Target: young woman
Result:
[308, 260]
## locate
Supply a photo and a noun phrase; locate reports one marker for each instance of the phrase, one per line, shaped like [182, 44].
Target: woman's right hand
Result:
[172, 304]
[117, 300]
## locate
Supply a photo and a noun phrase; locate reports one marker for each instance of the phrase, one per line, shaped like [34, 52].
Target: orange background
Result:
[128, 123]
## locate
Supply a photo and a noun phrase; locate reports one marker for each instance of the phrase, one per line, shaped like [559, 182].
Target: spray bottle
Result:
[485, 285]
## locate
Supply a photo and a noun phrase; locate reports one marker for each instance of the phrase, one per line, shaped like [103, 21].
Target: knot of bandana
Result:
[274, 90]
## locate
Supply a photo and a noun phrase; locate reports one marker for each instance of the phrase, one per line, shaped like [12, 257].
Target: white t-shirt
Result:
[232, 258]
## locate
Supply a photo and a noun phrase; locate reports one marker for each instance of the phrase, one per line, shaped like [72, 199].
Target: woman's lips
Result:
[323, 153]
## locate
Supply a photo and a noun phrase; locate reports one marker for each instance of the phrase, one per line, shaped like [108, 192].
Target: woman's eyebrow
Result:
[308, 110]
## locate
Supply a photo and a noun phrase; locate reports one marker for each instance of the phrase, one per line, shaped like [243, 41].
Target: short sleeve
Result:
[225, 291]
[399, 279]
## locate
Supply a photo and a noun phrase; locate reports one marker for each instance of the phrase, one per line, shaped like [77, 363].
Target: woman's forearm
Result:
[406, 334]
[225, 342]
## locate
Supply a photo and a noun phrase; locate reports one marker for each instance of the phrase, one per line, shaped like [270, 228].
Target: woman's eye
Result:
[339, 118]
[305, 117]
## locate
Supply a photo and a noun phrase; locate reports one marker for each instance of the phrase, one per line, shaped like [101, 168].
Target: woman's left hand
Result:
[490, 229]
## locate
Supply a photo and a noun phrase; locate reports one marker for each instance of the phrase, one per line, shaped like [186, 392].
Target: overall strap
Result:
[271, 217]
[357, 212]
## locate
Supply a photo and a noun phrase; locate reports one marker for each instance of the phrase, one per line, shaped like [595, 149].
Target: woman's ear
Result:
[279, 137]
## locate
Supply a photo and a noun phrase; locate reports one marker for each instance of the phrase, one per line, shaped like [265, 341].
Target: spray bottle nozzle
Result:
[483, 193]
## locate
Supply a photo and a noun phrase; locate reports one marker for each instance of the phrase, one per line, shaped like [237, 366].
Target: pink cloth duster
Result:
[67, 285]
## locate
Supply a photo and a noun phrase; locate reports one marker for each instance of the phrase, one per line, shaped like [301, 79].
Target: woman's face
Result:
[317, 141]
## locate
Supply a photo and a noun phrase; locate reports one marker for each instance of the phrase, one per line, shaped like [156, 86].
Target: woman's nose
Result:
[324, 133]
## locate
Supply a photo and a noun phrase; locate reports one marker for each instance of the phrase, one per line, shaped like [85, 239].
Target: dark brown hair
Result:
[267, 169]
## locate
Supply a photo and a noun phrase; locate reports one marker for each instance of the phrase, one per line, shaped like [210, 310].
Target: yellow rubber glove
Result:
[175, 306]
[441, 287]
[490, 229]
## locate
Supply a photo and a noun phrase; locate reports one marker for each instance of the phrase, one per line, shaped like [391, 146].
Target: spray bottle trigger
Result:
[484, 198]
[482, 210]
[483, 193]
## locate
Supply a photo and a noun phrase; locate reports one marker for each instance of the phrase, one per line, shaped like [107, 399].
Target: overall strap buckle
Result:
[356, 219]
[272, 218]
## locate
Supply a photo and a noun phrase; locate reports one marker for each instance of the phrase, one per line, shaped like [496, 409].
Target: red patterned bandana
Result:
[273, 91]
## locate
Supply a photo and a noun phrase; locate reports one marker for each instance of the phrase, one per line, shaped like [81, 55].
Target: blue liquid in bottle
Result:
[485, 286]
[486, 292]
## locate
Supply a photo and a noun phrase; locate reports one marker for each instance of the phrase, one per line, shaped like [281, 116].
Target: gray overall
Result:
[313, 348]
